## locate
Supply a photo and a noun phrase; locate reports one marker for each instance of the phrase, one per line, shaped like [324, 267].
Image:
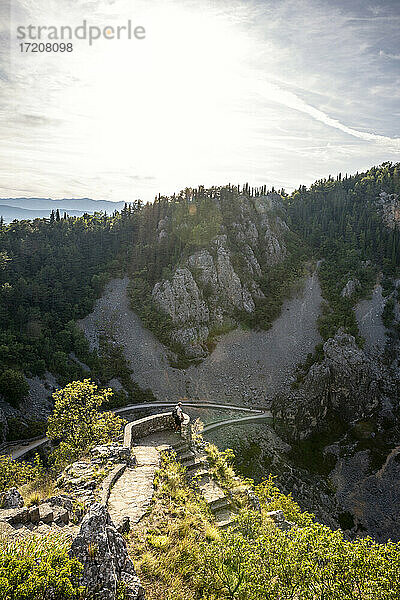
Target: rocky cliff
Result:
[389, 205]
[345, 387]
[214, 285]
[343, 420]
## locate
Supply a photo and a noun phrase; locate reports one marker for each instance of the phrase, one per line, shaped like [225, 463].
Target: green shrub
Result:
[14, 473]
[18, 430]
[220, 464]
[77, 422]
[38, 568]
[257, 560]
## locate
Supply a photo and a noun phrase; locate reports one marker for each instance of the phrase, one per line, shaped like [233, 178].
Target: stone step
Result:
[224, 518]
[180, 446]
[187, 458]
[211, 492]
[222, 503]
[200, 472]
[198, 464]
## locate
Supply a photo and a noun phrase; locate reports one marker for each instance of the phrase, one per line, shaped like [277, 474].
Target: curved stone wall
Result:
[143, 427]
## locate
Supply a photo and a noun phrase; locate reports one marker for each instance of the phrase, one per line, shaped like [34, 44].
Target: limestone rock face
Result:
[390, 209]
[345, 387]
[370, 494]
[193, 339]
[103, 553]
[202, 266]
[351, 286]
[275, 251]
[230, 286]
[217, 283]
[180, 298]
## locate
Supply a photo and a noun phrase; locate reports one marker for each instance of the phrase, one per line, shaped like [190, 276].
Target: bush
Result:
[257, 560]
[14, 474]
[78, 424]
[38, 568]
[13, 386]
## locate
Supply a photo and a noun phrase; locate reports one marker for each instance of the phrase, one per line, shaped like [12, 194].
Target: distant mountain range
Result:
[33, 208]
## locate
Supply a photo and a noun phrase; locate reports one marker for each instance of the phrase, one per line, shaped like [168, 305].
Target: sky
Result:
[275, 92]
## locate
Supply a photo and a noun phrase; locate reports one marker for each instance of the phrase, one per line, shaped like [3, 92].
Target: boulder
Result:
[61, 501]
[11, 499]
[60, 516]
[15, 516]
[124, 526]
[46, 514]
[103, 553]
[278, 517]
[114, 453]
[34, 514]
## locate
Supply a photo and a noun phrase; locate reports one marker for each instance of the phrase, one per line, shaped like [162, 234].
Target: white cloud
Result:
[388, 55]
[273, 93]
[270, 92]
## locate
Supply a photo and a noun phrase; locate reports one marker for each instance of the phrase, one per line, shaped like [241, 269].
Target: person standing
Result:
[177, 414]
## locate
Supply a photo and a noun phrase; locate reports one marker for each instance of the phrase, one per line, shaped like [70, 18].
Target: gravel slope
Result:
[369, 319]
[246, 366]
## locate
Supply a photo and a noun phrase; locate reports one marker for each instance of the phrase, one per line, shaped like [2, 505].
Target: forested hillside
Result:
[203, 263]
[344, 220]
[219, 257]
[200, 262]
[51, 271]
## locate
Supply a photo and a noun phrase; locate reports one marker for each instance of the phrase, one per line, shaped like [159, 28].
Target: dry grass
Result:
[37, 490]
[165, 544]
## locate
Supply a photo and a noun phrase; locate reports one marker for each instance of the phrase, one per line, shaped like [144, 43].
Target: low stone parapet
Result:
[161, 422]
[142, 427]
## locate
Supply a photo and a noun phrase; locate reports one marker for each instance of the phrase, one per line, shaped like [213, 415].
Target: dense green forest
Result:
[52, 270]
[337, 221]
[342, 214]
[342, 222]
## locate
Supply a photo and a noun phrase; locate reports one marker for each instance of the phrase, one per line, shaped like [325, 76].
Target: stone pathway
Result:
[132, 494]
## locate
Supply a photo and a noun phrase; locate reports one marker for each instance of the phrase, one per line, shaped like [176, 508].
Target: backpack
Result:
[175, 413]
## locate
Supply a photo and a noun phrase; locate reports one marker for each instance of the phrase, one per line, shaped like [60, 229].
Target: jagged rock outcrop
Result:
[181, 299]
[83, 478]
[350, 288]
[216, 283]
[344, 387]
[390, 209]
[104, 555]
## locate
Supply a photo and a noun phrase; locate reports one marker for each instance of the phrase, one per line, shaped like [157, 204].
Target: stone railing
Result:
[143, 427]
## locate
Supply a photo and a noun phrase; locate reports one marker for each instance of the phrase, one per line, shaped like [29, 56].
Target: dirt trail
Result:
[246, 366]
